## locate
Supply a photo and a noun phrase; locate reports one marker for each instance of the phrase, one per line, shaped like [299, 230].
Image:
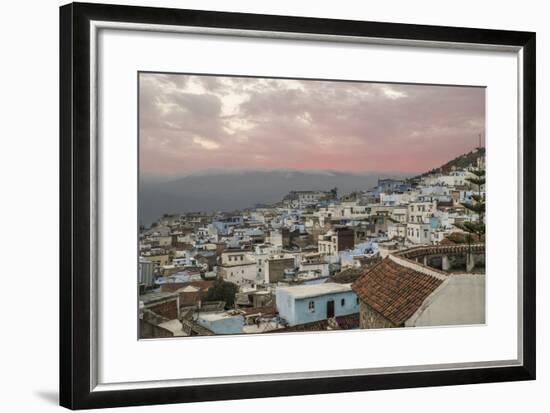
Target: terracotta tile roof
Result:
[350, 275]
[395, 290]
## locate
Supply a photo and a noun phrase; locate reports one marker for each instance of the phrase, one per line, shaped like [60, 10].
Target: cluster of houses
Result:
[377, 258]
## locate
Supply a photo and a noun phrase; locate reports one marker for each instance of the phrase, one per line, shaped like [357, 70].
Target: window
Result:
[343, 302]
[357, 301]
[311, 306]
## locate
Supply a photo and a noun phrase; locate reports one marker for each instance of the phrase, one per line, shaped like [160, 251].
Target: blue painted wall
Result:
[296, 311]
[435, 222]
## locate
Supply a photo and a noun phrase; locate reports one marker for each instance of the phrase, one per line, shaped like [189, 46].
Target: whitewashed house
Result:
[302, 304]
[419, 233]
[238, 267]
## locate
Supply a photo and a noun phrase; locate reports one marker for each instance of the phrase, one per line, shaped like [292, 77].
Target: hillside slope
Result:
[459, 162]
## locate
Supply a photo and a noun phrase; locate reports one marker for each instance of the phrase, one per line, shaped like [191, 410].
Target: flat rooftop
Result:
[217, 316]
[313, 290]
[155, 296]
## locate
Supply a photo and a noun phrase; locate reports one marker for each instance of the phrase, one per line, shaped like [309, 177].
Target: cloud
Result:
[206, 144]
[392, 93]
[190, 123]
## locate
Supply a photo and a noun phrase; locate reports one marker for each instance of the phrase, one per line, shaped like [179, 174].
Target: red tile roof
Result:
[396, 291]
[350, 275]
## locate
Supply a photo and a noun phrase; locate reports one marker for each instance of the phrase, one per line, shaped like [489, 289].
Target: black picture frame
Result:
[75, 219]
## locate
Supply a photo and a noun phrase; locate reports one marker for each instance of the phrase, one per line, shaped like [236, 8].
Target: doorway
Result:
[330, 309]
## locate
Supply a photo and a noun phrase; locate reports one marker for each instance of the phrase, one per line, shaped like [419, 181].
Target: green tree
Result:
[477, 206]
[223, 291]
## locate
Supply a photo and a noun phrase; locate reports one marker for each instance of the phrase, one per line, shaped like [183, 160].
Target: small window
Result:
[357, 301]
[311, 306]
[343, 302]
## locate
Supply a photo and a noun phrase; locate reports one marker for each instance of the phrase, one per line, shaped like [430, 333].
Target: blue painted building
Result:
[307, 303]
[222, 323]
[392, 185]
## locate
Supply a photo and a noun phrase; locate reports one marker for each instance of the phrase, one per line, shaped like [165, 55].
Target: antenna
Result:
[479, 141]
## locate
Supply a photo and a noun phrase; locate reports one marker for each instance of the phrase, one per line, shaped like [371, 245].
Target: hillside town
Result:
[406, 253]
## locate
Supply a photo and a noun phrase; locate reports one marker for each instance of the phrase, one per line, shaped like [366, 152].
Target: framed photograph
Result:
[258, 206]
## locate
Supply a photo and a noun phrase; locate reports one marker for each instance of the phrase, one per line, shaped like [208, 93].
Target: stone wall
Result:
[368, 318]
[277, 267]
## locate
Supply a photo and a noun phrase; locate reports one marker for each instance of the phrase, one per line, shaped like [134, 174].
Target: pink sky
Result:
[195, 123]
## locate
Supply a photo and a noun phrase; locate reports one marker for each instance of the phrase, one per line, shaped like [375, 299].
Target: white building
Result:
[316, 263]
[275, 237]
[303, 199]
[400, 213]
[419, 233]
[390, 199]
[421, 212]
[348, 210]
[397, 230]
[184, 261]
[307, 303]
[460, 300]
[238, 267]
[262, 253]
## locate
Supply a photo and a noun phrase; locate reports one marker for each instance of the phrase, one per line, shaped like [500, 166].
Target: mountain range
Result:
[232, 190]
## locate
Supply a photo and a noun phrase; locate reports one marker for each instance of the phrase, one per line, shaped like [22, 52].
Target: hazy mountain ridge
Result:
[227, 191]
[461, 161]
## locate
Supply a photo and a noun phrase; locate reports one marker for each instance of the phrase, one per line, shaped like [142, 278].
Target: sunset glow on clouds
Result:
[197, 123]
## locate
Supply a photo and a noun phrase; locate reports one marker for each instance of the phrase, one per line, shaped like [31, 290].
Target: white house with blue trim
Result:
[302, 304]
